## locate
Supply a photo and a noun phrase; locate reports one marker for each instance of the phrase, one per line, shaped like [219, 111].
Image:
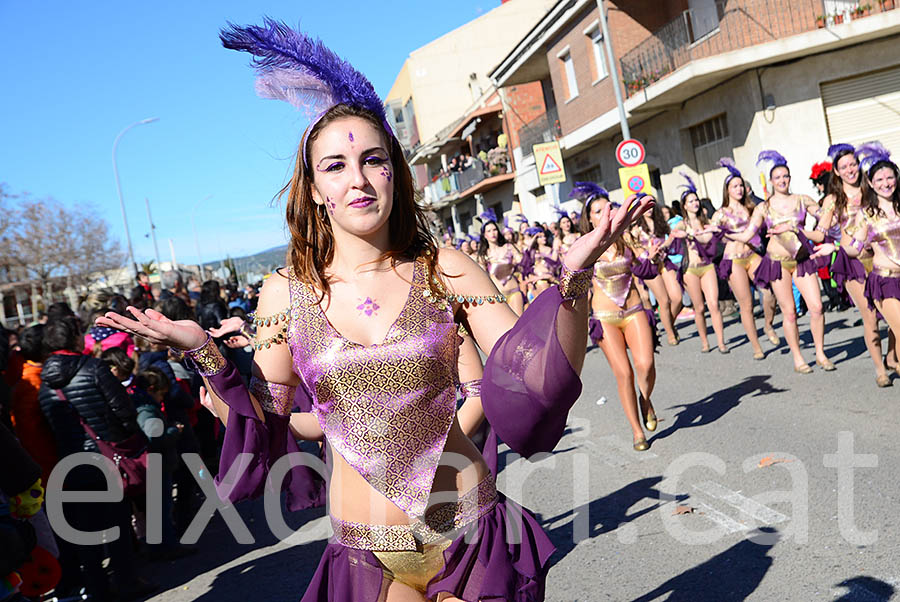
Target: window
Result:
[710, 131]
[569, 70]
[596, 37]
[705, 17]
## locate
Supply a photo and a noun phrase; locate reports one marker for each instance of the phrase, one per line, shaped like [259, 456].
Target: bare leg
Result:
[784, 293]
[639, 339]
[870, 324]
[674, 289]
[809, 288]
[890, 309]
[710, 285]
[665, 309]
[769, 315]
[613, 346]
[740, 286]
[692, 284]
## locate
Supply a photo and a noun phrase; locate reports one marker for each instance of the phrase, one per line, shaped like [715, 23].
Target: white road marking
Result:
[723, 520]
[752, 508]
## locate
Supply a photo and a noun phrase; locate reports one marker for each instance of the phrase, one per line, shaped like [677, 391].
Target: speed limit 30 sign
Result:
[630, 153]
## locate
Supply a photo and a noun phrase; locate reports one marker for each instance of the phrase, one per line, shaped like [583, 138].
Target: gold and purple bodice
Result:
[884, 233]
[614, 276]
[734, 223]
[385, 408]
[796, 219]
[503, 270]
[545, 266]
[849, 222]
[565, 246]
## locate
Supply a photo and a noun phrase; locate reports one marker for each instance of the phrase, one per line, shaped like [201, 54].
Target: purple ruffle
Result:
[263, 443]
[528, 385]
[502, 556]
[595, 330]
[812, 266]
[846, 268]
[651, 318]
[723, 270]
[645, 269]
[670, 265]
[879, 288]
[769, 270]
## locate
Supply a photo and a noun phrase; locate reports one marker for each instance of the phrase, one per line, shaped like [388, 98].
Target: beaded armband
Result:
[279, 337]
[471, 388]
[207, 358]
[274, 398]
[574, 284]
[441, 296]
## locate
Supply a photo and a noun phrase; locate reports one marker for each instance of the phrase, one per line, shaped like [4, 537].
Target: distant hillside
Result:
[253, 267]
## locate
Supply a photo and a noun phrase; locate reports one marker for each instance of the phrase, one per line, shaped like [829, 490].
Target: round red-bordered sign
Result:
[630, 153]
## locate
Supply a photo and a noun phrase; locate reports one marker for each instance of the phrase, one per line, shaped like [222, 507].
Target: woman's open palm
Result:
[156, 328]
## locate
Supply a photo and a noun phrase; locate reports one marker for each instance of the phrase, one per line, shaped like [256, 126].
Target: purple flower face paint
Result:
[368, 307]
[351, 136]
[330, 204]
[386, 173]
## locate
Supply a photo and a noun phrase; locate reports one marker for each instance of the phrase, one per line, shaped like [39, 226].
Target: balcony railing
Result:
[732, 25]
[457, 182]
[544, 128]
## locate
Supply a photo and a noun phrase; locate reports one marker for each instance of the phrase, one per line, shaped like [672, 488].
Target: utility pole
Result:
[614, 72]
[153, 234]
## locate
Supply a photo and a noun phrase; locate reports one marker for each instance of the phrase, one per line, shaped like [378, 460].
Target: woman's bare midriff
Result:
[352, 498]
[600, 301]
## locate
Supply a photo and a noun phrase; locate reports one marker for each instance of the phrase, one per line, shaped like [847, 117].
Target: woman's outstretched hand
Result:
[585, 251]
[156, 328]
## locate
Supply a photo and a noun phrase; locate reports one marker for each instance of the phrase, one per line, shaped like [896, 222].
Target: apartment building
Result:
[704, 79]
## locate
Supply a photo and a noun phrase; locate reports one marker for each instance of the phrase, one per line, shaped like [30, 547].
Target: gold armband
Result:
[207, 358]
[274, 398]
[574, 284]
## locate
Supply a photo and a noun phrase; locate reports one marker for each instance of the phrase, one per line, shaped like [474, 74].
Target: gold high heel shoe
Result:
[759, 355]
[641, 445]
[827, 366]
[883, 381]
[649, 419]
[804, 369]
[773, 338]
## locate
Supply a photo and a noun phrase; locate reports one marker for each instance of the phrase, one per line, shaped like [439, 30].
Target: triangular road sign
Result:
[549, 166]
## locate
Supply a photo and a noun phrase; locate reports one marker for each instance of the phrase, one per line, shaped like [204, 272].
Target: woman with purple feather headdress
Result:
[500, 259]
[844, 198]
[740, 260]
[877, 226]
[619, 323]
[790, 257]
[701, 240]
[542, 262]
[568, 233]
[367, 316]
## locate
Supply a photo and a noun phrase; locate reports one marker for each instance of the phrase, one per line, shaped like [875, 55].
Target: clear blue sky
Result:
[74, 74]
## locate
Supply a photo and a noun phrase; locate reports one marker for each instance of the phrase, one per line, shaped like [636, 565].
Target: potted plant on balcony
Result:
[863, 10]
[838, 18]
[821, 21]
[887, 5]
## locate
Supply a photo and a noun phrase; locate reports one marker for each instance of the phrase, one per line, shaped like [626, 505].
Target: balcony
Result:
[731, 25]
[544, 128]
[476, 178]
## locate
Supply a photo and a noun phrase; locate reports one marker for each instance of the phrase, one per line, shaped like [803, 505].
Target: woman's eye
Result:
[334, 166]
[375, 161]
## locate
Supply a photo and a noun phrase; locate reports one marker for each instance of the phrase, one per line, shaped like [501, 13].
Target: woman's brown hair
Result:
[311, 249]
[746, 200]
[870, 198]
[835, 186]
[701, 213]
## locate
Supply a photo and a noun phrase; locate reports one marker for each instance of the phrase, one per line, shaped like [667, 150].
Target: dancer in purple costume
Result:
[789, 257]
[361, 336]
[500, 258]
[700, 275]
[846, 188]
[740, 260]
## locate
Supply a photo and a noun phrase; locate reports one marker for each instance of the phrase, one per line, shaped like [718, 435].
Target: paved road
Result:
[747, 450]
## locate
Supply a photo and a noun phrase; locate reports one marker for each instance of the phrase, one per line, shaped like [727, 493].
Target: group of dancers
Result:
[775, 246]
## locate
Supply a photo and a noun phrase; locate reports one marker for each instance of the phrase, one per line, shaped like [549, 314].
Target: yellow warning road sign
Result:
[635, 179]
[549, 162]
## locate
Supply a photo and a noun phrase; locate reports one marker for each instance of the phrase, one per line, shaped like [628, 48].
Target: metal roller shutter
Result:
[863, 108]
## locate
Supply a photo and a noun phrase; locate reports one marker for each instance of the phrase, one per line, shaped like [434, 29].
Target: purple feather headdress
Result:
[872, 153]
[587, 192]
[488, 215]
[534, 231]
[560, 213]
[835, 149]
[773, 157]
[733, 171]
[293, 67]
[474, 238]
[689, 187]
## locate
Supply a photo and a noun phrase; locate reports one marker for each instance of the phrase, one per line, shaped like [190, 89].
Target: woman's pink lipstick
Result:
[363, 201]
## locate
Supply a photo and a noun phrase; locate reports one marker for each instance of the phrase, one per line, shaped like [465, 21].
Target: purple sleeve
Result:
[263, 443]
[528, 385]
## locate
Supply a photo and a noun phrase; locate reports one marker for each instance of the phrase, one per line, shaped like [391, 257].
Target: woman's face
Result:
[736, 189]
[353, 176]
[565, 224]
[465, 248]
[781, 180]
[542, 239]
[597, 206]
[522, 227]
[490, 233]
[884, 182]
[847, 169]
[691, 203]
[667, 213]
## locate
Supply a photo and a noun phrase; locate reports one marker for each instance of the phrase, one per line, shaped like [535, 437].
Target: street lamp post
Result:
[196, 242]
[119, 187]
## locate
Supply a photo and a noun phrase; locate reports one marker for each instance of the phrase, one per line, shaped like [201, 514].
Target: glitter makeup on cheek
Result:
[386, 173]
[351, 136]
[331, 204]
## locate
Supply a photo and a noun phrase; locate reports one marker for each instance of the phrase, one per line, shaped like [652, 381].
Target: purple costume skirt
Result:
[846, 268]
[880, 287]
[769, 270]
[501, 556]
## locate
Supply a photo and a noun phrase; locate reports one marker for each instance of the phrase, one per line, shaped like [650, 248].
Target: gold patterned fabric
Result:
[274, 398]
[385, 408]
[207, 358]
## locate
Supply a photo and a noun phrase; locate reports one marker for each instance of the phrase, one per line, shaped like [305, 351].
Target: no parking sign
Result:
[635, 179]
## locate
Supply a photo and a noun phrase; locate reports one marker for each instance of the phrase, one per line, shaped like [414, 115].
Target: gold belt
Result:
[437, 523]
[612, 316]
[886, 272]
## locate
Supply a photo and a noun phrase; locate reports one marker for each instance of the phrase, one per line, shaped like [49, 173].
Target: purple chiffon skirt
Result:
[846, 268]
[723, 270]
[880, 287]
[770, 270]
[595, 330]
[645, 270]
[502, 556]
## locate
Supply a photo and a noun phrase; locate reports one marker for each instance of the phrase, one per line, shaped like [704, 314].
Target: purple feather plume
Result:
[534, 231]
[728, 164]
[836, 149]
[298, 69]
[560, 212]
[587, 191]
[871, 153]
[771, 156]
[489, 215]
[689, 187]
